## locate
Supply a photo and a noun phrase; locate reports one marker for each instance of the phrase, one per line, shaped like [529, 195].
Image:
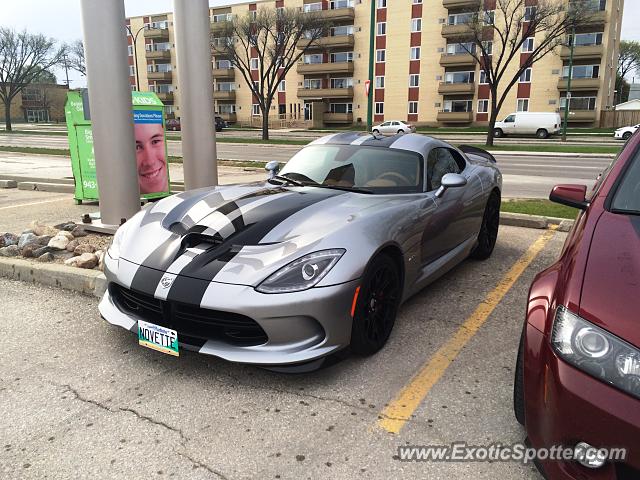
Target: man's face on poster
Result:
[150, 156]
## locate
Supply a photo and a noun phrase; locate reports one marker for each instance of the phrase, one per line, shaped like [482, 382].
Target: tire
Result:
[377, 306]
[518, 384]
[377, 132]
[400, 131]
[489, 228]
[542, 133]
[626, 135]
[498, 133]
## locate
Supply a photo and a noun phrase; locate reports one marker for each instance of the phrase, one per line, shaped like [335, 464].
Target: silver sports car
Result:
[318, 258]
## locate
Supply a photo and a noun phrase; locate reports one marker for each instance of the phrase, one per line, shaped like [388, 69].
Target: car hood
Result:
[611, 288]
[239, 234]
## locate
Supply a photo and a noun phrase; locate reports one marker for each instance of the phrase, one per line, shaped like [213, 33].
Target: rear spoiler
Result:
[477, 151]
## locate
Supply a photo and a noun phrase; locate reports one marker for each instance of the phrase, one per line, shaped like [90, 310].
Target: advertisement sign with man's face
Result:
[151, 157]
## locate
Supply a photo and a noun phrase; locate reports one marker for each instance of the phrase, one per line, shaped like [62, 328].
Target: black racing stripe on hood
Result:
[175, 219]
[258, 223]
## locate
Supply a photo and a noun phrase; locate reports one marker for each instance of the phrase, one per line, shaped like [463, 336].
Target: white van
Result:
[540, 124]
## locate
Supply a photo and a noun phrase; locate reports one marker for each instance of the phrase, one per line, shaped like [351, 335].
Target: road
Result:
[83, 400]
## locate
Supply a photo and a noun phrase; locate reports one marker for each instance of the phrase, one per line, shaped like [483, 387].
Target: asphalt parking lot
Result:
[81, 399]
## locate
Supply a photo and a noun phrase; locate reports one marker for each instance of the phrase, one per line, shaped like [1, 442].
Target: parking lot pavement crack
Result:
[155, 422]
[200, 464]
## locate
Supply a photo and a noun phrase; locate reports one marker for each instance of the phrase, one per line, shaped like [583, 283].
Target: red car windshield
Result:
[627, 198]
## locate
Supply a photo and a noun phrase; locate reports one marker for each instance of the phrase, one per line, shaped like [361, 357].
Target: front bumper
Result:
[618, 135]
[300, 327]
[564, 406]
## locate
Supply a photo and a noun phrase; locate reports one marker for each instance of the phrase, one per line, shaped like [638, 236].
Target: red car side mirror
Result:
[570, 195]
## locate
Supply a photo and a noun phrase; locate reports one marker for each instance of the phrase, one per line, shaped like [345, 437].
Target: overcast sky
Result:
[60, 19]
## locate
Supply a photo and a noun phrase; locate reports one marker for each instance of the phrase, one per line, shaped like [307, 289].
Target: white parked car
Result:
[625, 132]
[392, 127]
[540, 124]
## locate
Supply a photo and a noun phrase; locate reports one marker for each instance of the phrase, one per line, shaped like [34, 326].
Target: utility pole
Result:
[372, 37]
[568, 101]
[66, 68]
[135, 52]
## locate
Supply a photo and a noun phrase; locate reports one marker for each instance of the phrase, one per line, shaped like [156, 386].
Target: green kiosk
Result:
[151, 146]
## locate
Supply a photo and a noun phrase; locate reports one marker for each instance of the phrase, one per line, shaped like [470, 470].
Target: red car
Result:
[577, 382]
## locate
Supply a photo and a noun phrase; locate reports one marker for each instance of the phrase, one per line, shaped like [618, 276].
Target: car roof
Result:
[408, 141]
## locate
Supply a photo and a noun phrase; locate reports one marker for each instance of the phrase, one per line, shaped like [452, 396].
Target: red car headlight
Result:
[596, 351]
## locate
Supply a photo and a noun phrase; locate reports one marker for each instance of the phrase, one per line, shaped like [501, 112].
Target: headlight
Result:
[596, 351]
[114, 249]
[303, 273]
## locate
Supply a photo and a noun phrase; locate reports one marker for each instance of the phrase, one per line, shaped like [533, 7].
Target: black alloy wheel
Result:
[489, 229]
[377, 306]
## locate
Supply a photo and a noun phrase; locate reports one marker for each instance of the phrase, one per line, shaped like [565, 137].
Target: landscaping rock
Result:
[72, 245]
[67, 226]
[11, 251]
[46, 257]
[86, 248]
[25, 239]
[68, 235]
[100, 255]
[7, 239]
[42, 250]
[63, 255]
[41, 229]
[29, 249]
[59, 242]
[44, 240]
[79, 232]
[86, 260]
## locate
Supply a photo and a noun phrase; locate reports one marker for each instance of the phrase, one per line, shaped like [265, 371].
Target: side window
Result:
[440, 162]
[510, 119]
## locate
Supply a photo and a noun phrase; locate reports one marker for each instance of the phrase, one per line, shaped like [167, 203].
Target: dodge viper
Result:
[317, 258]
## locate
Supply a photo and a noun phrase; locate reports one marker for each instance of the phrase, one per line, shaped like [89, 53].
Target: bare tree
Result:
[274, 38]
[23, 57]
[628, 61]
[498, 37]
[75, 57]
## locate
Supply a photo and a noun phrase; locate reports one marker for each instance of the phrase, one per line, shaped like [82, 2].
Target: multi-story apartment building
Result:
[423, 73]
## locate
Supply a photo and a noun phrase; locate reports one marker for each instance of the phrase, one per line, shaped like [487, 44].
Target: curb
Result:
[94, 283]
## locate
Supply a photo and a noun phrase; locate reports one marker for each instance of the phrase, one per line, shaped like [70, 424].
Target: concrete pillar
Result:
[114, 142]
[192, 29]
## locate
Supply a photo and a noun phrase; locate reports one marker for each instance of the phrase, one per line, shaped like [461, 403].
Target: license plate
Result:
[158, 338]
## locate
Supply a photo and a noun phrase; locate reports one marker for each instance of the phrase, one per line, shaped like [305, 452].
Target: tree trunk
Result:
[265, 124]
[7, 116]
[492, 124]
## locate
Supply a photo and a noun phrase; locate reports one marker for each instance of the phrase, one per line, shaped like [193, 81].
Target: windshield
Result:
[627, 199]
[375, 169]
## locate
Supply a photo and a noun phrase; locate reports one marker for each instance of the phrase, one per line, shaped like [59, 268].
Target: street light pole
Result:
[568, 97]
[372, 36]
[135, 52]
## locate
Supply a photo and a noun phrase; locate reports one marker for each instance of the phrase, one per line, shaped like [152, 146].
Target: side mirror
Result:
[451, 180]
[570, 195]
[273, 167]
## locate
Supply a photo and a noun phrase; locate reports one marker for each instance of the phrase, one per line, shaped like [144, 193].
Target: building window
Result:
[340, 57]
[413, 107]
[529, 13]
[312, 83]
[458, 106]
[282, 86]
[483, 106]
[341, 82]
[379, 108]
[488, 47]
[582, 71]
[132, 70]
[416, 24]
[382, 3]
[525, 77]
[416, 2]
[414, 80]
[255, 110]
[312, 7]
[254, 64]
[489, 16]
[341, 108]
[379, 82]
[415, 53]
[381, 28]
[130, 50]
[523, 105]
[483, 77]
[528, 45]
[381, 56]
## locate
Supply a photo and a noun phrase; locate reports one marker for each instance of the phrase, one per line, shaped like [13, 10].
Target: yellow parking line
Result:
[398, 411]
[34, 203]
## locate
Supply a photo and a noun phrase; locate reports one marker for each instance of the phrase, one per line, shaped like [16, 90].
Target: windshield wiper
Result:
[346, 189]
[282, 178]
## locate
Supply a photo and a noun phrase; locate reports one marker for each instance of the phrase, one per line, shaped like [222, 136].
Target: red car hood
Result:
[611, 289]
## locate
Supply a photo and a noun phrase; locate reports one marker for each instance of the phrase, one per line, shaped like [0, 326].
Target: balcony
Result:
[162, 76]
[224, 73]
[325, 92]
[458, 60]
[454, 31]
[455, 117]
[337, 15]
[229, 95]
[159, 54]
[324, 43]
[596, 18]
[578, 84]
[456, 88]
[585, 116]
[165, 96]
[338, 117]
[219, 27]
[228, 117]
[580, 52]
[157, 33]
[461, 3]
[317, 68]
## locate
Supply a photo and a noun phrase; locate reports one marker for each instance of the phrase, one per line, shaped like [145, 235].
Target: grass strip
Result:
[541, 207]
[601, 149]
